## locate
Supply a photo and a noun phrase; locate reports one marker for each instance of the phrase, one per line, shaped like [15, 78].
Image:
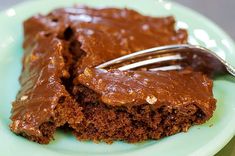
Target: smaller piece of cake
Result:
[139, 105]
[43, 103]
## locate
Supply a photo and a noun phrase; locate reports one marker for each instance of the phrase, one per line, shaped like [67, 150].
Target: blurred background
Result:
[222, 12]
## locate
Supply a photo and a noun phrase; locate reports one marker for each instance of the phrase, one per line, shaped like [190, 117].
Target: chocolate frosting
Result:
[171, 88]
[108, 33]
[99, 35]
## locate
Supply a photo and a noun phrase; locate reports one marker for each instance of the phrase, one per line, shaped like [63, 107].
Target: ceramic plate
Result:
[206, 139]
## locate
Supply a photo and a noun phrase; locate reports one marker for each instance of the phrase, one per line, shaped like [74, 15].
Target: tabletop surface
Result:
[221, 12]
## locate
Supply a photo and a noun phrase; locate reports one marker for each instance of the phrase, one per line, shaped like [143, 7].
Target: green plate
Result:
[206, 139]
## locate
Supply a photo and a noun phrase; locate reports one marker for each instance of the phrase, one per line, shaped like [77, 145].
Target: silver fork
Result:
[172, 57]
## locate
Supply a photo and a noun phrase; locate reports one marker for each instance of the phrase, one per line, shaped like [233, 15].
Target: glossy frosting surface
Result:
[108, 33]
[170, 88]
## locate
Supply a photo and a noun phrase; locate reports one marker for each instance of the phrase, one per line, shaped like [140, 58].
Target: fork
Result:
[172, 57]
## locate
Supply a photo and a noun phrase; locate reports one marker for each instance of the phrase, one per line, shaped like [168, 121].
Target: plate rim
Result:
[212, 24]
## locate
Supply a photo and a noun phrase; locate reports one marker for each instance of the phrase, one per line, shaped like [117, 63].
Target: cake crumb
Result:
[87, 72]
[24, 97]
[151, 99]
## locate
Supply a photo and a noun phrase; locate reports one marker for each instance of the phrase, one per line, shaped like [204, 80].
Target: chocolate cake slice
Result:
[103, 105]
[140, 105]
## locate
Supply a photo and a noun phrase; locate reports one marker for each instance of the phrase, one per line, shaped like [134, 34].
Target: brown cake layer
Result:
[60, 45]
[140, 105]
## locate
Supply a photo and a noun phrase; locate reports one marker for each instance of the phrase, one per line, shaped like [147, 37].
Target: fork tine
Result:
[142, 53]
[166, 68]
[151, 61]
[205, 60]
